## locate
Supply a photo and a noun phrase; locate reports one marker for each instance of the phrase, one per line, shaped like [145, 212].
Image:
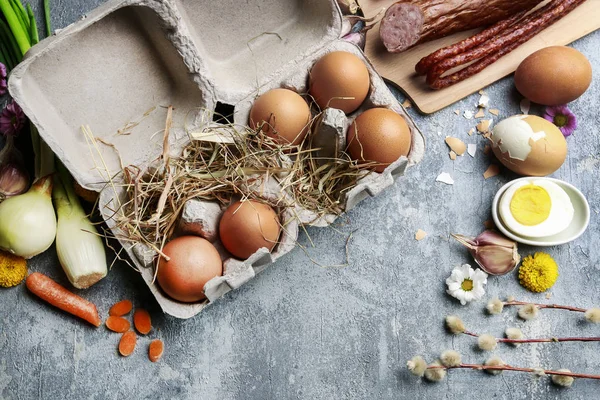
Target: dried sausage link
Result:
[429, 61]
[500, 46]
[409, 22]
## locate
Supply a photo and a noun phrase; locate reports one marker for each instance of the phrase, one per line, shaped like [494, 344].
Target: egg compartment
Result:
[247, 45]
[334, 136]
[201, 218]
[115, 71]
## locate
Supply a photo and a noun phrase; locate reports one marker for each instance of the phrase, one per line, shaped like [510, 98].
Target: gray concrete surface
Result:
[302, 331]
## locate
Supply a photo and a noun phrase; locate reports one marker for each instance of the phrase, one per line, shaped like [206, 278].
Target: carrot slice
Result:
[156, 349]
[117, 324]
[121, 308]
[127, 343]
[142, 321]
[58, 296]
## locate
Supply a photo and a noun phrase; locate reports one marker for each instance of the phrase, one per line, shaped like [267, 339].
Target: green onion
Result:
[28, 221]
[46, 155]
[22, 37]
[34, 33]
[7, 37]
[79, 247]
[3, 57]
[48, 20]
[6, 56]
[22, 19]
[20, 11]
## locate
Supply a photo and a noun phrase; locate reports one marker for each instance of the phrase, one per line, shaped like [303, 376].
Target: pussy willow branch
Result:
[516, 369]
[539, 340]
[555, 306]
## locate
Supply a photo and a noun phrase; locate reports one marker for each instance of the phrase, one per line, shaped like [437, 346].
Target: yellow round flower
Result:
[13, 269]
[538, 273]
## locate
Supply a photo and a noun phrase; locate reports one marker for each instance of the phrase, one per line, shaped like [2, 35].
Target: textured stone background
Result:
[301, 331]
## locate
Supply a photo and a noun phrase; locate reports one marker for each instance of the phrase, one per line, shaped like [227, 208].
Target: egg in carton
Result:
[332, 126]
[201, 218]
[118, 69]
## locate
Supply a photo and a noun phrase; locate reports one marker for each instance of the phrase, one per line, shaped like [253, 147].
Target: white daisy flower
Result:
[466, 284]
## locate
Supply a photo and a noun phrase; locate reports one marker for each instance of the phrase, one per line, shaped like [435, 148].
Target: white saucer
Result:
[579, 224]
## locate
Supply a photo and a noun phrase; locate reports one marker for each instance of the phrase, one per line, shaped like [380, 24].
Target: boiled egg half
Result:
[536, 208]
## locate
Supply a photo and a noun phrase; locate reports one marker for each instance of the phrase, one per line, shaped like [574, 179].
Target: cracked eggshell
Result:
[529, 145]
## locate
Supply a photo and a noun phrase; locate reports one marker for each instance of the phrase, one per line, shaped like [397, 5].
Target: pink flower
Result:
[2, 79]
[563, 118]
[12, 119]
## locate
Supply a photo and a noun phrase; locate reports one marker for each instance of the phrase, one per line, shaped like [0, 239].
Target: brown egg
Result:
[246, 226]
[529, 145]
[554, 75]
[193, 262]
[339, 74]
[379, 135]
[283, 114]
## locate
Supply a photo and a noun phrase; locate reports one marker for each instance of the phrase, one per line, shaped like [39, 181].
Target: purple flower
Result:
[12, 119]
[563, 118]
[2, 79]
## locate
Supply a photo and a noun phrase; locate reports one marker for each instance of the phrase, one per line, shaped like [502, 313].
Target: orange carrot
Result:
[121, 308]
[142, 321]
[58, 296]
[117, 324]
[127, 343]
[156, 349]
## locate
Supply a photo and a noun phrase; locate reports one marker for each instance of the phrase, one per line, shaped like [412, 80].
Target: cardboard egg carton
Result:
[119, 68]
[332, 127]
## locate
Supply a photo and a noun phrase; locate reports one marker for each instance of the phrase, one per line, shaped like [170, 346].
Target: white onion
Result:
[27, 221]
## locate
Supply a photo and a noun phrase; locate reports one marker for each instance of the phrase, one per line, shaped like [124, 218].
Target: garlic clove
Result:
[14, 180]
[494, 253]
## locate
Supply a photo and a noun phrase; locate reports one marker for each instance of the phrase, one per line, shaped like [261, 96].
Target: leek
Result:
[27, 221]
[79, 247]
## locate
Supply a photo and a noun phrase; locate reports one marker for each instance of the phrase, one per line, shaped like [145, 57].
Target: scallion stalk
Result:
[22, 37]
[20, 11]
[33, 30]
[8, 38]
[3, 57]
[47, 18]
[24, 24]
[79, 247]
[6, 57]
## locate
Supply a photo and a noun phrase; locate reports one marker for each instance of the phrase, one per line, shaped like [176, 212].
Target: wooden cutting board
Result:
[400, 68]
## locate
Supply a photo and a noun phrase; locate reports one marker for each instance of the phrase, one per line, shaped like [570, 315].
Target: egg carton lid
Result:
[118, 69]
[245, 45]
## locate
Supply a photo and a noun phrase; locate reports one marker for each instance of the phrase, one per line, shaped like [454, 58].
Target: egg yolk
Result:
[530, 205]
